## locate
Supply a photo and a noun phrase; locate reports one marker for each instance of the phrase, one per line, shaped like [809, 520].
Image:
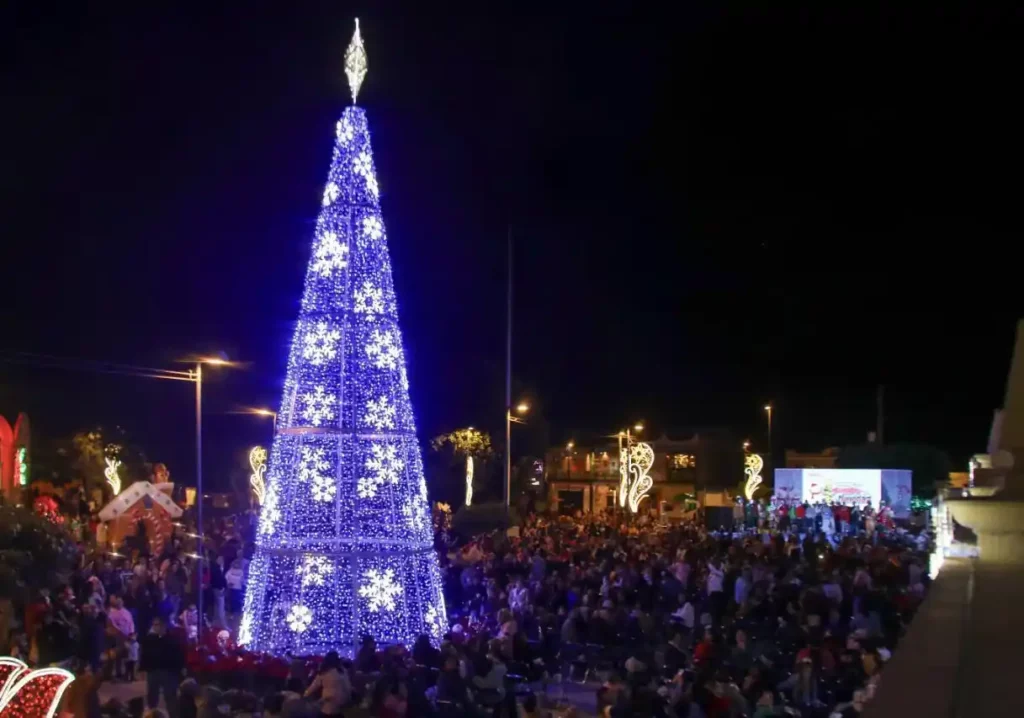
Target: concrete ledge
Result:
[922, 678]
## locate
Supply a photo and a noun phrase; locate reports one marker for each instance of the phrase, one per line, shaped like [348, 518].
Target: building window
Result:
[684, 461]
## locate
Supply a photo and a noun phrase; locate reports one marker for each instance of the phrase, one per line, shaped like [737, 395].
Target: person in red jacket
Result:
[843, 515]
[705, 650]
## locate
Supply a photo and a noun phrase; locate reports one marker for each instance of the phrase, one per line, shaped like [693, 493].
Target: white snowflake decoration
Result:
[363, 164]
[373, 228]
[331, 193]
[312, 464]
[324, 489]
[299, 618]
[320, 343]
[313, 570]
[380, 589]
[386, 467]
[435, 620]
[330, 254]
[380, 413]
[270, 514]
[371, 185]
[245, 629]
[415, 512]
[319, 406]
[384, 349]
[369, 301]
[415, 508]
[345, 131]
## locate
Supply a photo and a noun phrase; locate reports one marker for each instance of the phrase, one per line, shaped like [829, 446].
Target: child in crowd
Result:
[132, 648]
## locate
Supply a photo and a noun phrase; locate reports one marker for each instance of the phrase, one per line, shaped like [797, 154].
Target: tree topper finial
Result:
[355, 62]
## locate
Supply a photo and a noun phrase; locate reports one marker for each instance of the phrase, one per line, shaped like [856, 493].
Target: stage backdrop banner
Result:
[897, 487]
[848, 486]
[845, 486]
[789, 485]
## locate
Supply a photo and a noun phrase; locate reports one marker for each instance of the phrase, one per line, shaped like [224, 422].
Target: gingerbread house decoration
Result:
[144, 502]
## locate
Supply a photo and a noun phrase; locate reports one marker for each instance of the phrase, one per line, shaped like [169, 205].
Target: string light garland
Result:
[22, 459]
[344, 543]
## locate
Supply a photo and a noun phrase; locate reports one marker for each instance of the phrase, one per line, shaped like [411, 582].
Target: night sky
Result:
[712, 209]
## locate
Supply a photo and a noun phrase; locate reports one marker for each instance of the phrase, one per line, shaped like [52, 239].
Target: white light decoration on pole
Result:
[113, 464]
[753, 465]
[641, 459]
[258, 463]
[623, 471]
[469, 481]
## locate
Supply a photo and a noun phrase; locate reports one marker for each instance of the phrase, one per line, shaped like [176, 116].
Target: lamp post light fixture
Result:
[520, 408]
[197, 377]
[265, 412]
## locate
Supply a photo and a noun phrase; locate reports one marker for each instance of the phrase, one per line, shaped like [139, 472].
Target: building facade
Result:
[825, 459]
[586, 476]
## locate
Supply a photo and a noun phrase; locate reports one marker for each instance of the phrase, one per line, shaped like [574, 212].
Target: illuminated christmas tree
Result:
[344, 540]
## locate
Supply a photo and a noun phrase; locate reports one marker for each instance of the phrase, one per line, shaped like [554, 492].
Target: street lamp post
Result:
[201, 550]
[768, 408]
[521, 408]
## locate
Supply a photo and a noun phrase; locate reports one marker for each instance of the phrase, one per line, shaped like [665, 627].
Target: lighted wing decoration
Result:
[641, 459]
[28, 693]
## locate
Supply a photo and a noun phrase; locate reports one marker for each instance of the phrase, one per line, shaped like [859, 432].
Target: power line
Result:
[93, 366]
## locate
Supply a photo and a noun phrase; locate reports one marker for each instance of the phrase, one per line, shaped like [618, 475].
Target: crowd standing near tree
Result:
[794, 611]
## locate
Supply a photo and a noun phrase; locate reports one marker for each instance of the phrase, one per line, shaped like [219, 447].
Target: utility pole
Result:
[880, 420]
[508, 380]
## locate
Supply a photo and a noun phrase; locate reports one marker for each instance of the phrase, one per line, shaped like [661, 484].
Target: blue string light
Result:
[344, 543]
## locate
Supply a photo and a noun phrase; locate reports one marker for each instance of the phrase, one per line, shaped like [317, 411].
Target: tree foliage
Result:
[450, 451]
[34, 553]
[465, 442]
[91, 448]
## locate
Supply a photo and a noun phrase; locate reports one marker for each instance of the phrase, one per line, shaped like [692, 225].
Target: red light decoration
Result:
[28, 693]
[47, 507]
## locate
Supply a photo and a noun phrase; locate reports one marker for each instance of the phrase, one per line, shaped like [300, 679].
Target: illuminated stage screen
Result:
[847, 486]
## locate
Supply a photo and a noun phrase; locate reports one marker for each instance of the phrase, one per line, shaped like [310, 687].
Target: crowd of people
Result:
[824, 515]
[784, 615]
[679, 621]
[124, 614]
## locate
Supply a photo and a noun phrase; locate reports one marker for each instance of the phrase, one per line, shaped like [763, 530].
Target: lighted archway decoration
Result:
[641, 459]
[31, 693]
[753, 465]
